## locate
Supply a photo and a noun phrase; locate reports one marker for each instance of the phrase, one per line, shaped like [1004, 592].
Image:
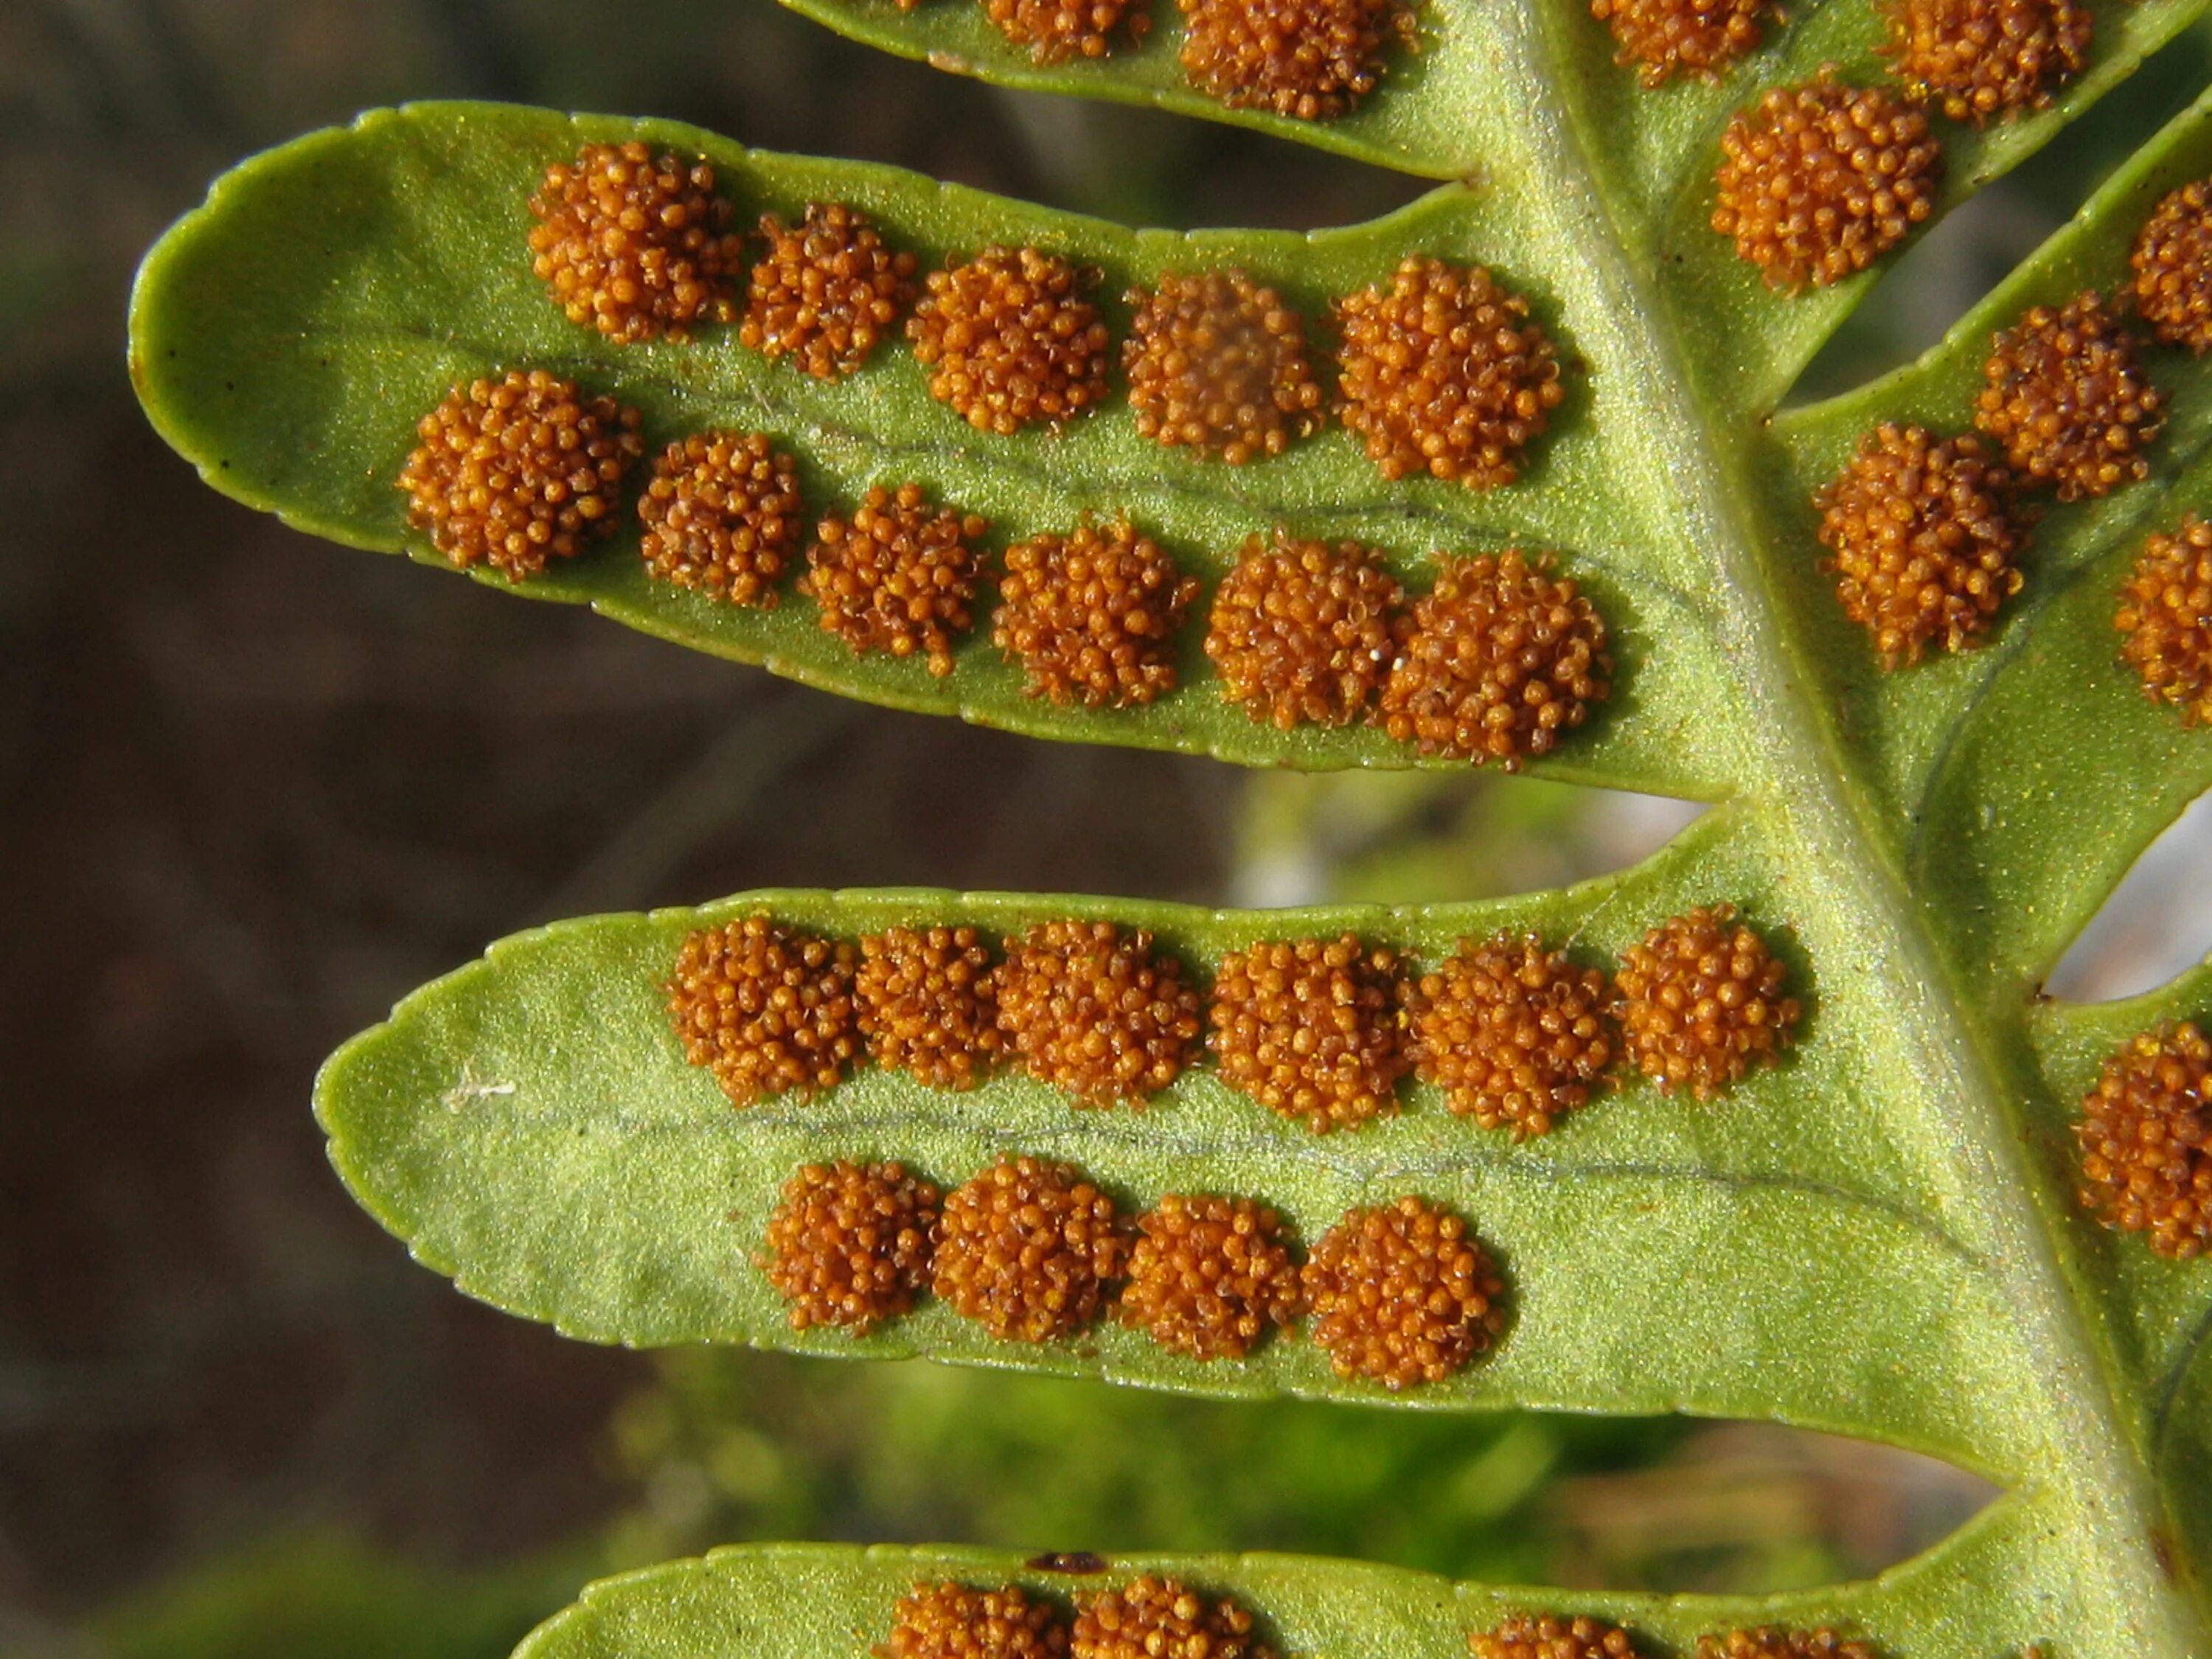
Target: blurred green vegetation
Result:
[759, 1446]
[731, 1446]
[1431, 837]
[734, 1446]
[333, 1598]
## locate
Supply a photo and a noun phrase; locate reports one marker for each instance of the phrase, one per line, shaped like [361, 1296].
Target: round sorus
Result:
[1095, 1011]
[722, 516]
[1923, 538]
[1053, 30]
[1699, 37]
[2145, 1135]
[899, 575]
[1767, 1642]
[954, 1621]
[1495, 661]
[849, 1243]
[1402, 1295]
[1311, 1029]
[765, 1009]
[1309, 59]
[1701, 1002]
[1820, 180]
[1978, 59]
[2172, 261]
[516, 471]
[635, 244]
[1514, 1035]
[1546, 1636]
[1303, 632]
[928, 1003]
[1444, 373]
[1151, 1617]
[1218, 363]
[2165, 619]
[1207, 1276]
[2063, 395]
[1091, 615]
[1026, 1249]
[826, 292]
[1009, 339]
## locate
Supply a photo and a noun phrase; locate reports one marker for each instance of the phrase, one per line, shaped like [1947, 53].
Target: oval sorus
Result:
[1010, 338]
[2172, 262]
[849, 1244]
[927, 1004]
[1770, 1642]
[1495, 662]
[1209, 1276]
[765, 1008]
[1443, 373]
[2146, 1136]
[1300, 632]
[1819, 181]
[1544, 1636]
[1697, 36]
[1091, 616]
[1218, 363]
[636, 244]
[518, 472]
[898, 575]
[1095, 1011]
[1701, 1001]
[957, 1621]
[826, 291]
[1402, 1295]
[2063, 393]
[723, 516]
[1154, 1617]
[2165, 619]
[1514, 1035]
[1053, 30]
[1924, 538]
[1309, 60]
[1310, 1029]
[1028, 1249]
[1976, 59]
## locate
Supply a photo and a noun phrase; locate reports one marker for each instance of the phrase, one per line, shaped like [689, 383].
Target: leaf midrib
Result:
[1811, 794]
[1443, 525]
[1105, 1129]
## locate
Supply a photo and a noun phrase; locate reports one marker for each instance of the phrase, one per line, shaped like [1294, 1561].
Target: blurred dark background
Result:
[253, 788]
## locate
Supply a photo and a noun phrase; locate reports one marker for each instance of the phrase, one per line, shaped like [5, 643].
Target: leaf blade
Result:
[404, 243]
[529, 1125]
[825, 1601]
